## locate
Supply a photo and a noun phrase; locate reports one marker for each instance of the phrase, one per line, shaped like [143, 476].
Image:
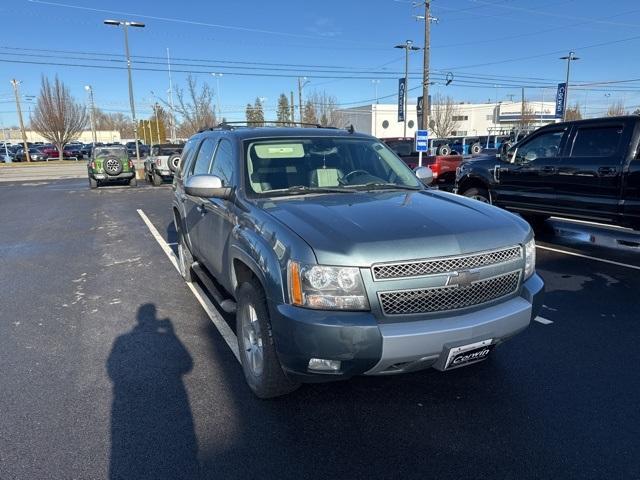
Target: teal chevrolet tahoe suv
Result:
[339, 260]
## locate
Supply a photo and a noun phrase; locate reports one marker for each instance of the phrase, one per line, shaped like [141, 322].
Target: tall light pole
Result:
[408, 47]
[302, 82]
[16, 91]
[217, 77]
[125, 28]
[426, 61]
[375, 108]
[92, 114]
[569, 58]
[170, 94]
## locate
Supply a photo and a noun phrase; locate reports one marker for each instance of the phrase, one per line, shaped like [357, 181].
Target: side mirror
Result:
[424, 174]
[206, 186]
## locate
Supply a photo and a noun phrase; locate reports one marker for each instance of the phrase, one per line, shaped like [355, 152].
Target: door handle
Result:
[607, 171]
[548, 169]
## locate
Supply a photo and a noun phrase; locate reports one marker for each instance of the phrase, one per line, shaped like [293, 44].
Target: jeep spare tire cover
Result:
[112, 165]
[443, 150]
[174, 161]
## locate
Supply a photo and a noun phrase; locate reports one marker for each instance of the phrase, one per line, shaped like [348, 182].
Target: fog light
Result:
[324, 365]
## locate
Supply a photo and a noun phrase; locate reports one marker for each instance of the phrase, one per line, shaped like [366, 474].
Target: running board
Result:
[225, 303]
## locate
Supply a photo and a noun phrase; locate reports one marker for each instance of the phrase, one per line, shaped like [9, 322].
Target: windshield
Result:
[331, 164]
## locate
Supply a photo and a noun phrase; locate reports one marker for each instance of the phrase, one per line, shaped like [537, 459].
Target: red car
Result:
[443, 166]
[69, 151]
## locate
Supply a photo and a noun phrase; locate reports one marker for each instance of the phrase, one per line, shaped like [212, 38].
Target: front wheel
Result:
[156, 179]
[260, 364]
[185, 259]
[133, 182]
[480, 194]
[93, 183]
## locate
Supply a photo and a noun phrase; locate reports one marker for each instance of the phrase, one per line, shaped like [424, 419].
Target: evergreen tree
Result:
[258, 112]
[284, 111]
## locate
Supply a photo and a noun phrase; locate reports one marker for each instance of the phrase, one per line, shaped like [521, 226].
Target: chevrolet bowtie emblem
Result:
[463, 278]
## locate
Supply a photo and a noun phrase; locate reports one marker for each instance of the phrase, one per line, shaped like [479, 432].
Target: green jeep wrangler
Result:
[111, 164]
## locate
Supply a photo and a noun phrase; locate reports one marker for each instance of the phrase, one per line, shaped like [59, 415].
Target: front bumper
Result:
[365, 346]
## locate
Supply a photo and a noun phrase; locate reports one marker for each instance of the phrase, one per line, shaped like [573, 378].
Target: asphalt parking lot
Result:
[112, 367]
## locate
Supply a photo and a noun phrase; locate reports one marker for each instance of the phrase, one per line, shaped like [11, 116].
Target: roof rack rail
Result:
[245, 124]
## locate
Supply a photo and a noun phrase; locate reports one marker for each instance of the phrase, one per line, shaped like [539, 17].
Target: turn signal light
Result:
[295, 284]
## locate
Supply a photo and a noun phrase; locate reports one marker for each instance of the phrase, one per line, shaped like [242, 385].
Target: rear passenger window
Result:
[223, 162]
[203, 160]
[597, 141]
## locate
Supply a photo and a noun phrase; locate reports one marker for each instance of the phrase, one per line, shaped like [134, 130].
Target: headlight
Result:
[326, 288]
[529, 258]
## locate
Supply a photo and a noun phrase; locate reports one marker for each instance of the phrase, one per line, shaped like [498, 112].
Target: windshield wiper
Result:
[296, 189]
[382, 186]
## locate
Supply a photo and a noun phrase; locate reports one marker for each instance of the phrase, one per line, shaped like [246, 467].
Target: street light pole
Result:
[92, 114]
[569, 58]
[170, 92]
[16, 91]
[407, 46]
[125, 27]
[375, 108]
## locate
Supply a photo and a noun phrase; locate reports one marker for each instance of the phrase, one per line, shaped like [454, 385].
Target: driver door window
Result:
[546, 145]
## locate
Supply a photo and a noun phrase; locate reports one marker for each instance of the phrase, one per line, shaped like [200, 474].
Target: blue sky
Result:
[490, 46]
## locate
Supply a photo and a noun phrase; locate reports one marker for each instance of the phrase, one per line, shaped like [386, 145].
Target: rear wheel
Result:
[477, 193]
[260, 363]
[156, 179]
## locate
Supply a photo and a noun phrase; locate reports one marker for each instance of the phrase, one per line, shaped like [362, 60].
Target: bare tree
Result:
[326, 109]
[195, 106]
[616, 109]
[443, 116]
[57, 116]
[527, 117]
[573, 113]
[114, 121]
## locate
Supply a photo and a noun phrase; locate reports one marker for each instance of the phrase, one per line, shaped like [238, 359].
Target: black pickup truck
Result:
[585, 169]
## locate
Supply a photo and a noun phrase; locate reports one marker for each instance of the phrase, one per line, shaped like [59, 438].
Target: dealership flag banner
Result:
[402, 91]
[562, 90]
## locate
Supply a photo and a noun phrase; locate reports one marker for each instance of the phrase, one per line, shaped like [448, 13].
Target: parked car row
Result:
[73, 150]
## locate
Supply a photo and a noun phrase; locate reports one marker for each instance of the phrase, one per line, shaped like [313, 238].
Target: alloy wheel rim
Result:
[252, 341]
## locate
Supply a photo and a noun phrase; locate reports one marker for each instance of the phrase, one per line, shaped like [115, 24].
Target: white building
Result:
[381, 120]
[104, 136]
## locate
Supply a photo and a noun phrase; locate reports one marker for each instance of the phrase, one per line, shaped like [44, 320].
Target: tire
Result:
[93, 183]
[479, 194]
[185, 259]
[443, 150]
[475, 149]
[133, 182]
[260, 364]
[112, 165]
[156, 179]
[173, 161]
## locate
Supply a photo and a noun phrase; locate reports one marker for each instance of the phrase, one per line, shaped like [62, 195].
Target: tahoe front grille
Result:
[419, 268]
[452, 297]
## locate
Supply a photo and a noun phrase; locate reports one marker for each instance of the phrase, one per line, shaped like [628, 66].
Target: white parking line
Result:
[543, 321]
[620, 264]
[219, 322]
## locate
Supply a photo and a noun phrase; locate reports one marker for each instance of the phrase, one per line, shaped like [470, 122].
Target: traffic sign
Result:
[422, 141]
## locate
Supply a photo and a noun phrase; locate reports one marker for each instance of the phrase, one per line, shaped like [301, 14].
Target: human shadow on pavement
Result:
[152, 430]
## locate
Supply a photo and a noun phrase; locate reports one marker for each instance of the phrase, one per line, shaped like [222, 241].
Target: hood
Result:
[369, 227]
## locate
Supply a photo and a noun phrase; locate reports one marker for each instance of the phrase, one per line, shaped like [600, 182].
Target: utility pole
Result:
[569, 58]
[292, 106]
[375, 108]
[16, 91]
[125, 28]
[408, 47]
[92, 114]
[301, 85]
[522, 111]
[425, 66]
[155, 110]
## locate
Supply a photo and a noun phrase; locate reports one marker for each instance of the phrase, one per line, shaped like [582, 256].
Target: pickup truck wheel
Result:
[133, 182]
[156, 179]
[185, 260]
[93, 183]
[260, 363]
[480, 194]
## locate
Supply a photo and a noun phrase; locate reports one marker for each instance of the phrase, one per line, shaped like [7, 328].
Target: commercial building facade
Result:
[104, 136]
[471, 119]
